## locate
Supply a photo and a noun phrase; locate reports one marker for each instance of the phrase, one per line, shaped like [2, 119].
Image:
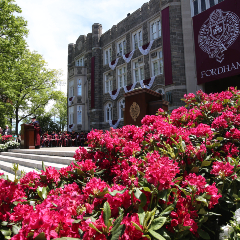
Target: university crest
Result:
[218, 33]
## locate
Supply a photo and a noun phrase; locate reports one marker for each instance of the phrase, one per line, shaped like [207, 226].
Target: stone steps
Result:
[31, 159]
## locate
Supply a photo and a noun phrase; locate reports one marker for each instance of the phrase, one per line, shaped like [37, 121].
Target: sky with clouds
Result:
[53, 24]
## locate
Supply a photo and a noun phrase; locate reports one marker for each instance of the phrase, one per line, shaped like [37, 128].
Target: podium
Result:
[142, 102]
[27, 136]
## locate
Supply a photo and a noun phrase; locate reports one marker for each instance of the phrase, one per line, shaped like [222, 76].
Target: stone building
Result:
[161, 35]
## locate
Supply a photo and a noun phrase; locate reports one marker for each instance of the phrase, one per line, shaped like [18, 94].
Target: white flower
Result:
[227, 230]
[237, 216]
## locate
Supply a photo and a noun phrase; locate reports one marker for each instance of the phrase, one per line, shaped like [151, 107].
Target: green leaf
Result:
[203, 234]
[40, 236]
[117, 223]
[137, 193]
[167, 210]
[4, 223]
[156, 235]
[102, 194]
[206, 163]
[77, 221]
[201, 199]
[44, 193]
[158, 223]
[15, 229]
[43, 168]
[147, 236]
[93, 226]
[67, 238]
[137, 226]
[115, 192]
[143, 200]
[141, 215]
[6, 232]
[43, 178]
[118, 233]
[194, 170]
[80, 232]
[164, 194]
[146, 189]
[106, 213]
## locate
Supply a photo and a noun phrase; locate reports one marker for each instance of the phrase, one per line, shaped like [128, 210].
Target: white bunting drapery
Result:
[71, 126]
[70, 100]
[148, 86]
[114, 94]
[132, 87]
[146, 48]
[114, 125]
[113, 64]
[127, 57]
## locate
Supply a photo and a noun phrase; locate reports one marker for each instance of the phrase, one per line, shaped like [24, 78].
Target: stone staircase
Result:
[31, 159]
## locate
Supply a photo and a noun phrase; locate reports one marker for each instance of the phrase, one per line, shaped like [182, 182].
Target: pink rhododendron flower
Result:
[222, 169]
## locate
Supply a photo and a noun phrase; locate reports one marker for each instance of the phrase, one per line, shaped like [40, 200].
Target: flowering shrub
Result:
[6, 138]
[12, 145]
[9, 145]
[3, 148]
[175, 177]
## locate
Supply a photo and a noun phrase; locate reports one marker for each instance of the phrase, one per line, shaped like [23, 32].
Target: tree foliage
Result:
[12, 45]
[34, 86]
[60, 110]
[26, 83]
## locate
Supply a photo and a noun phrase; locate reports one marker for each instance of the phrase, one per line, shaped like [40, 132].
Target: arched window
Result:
[108, 112]
[161, 91]
[121, 106]
[79, 87]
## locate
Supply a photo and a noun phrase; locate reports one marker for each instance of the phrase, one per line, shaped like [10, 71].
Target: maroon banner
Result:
[92, 81]
[166, 46]
[217, 41]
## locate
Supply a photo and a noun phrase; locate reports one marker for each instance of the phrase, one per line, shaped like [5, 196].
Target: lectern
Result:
[27, 136]
[142, 102]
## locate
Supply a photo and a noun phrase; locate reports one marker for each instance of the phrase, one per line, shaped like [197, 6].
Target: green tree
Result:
[34, 86]
[60, 110]
[12, 44]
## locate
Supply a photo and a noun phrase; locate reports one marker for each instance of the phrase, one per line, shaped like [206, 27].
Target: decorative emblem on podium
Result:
[218, 33]
[134, 111]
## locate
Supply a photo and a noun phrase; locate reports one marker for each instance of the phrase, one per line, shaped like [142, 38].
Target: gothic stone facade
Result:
[138, 28]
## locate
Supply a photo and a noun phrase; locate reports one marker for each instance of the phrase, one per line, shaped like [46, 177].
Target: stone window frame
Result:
[121, 105]
[108, 82]
[122, 74]
[71, 88]
[122, 52]
[79, 87]
[156, 58]
[79, 114]
[79, 62]
[156, 22]
[108, 108]
[71, 115]
[161, 91]
[198, 6]
[107, 55]
[139, 68]
[136, 41]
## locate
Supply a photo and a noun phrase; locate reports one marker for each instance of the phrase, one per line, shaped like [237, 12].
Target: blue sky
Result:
[53, 24]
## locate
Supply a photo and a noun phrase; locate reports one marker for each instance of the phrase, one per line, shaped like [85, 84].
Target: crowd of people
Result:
[64, 139]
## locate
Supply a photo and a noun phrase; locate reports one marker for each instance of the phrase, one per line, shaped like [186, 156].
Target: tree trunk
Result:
[17, 120]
